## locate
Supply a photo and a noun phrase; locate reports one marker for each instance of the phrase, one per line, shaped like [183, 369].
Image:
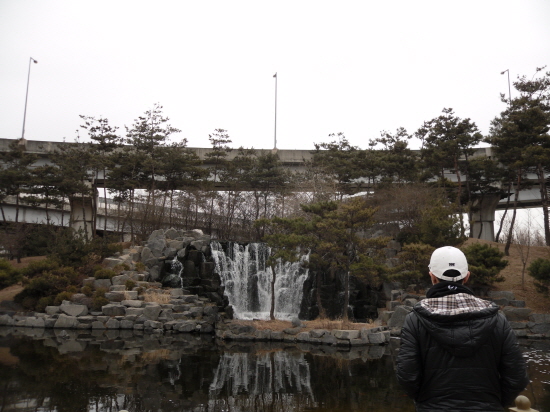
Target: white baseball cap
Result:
[446, 258]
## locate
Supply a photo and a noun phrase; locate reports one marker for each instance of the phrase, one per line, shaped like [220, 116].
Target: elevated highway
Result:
[294, 160]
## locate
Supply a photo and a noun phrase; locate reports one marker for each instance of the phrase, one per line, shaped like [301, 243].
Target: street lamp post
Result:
[509, 94]
[275, 138]
[27, 96]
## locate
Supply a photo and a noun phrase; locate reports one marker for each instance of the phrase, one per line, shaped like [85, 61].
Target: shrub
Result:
[43, 302]
[99, 299]
[87, 290]
[485, 263]
[8, 274]
[39, 266]
[47, 284]
[118, 269]
[540, 270]
[413, 264]
[104, 274]
[65, 295]
[140, 266]
[72, 248]
[130, 284]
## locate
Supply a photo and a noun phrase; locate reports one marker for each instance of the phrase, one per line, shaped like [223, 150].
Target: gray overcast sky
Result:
[357, 67]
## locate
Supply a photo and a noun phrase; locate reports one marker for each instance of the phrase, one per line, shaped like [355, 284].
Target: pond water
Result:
[47, 370]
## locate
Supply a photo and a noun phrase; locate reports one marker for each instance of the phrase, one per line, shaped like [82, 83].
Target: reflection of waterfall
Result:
[247, 281]
[265, 374]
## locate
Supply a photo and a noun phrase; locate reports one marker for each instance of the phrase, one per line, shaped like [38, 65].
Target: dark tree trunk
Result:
[511, 229]
[497, 236]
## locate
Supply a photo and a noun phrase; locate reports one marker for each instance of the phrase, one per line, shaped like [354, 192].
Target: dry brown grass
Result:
[158, 296]
[25, 261]
[280, 325]
[156, 355]
[512, 275]
[337, 324]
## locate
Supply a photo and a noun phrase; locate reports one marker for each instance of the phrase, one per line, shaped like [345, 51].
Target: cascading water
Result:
[176, 267]
[247, 281]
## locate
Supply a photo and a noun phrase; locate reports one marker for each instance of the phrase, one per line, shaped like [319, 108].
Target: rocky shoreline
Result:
[197, 303]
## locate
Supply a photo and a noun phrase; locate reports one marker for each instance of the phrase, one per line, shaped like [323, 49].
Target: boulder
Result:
[66, 322]
[172, 233]
[120, 279]
[132, 303]
[33, 322]
[114, 310]
[146, 254]
[377, 338]
[111, 262]
[112, 324]
[501, 294]
[185, 326]
[102, 283]
[318, 333]
[346, 334]
[115, 296]
[156, 246]
[152, 311]
[398, 317]
[71, 309]
[52, 310]
[134, 311]
[516, 314]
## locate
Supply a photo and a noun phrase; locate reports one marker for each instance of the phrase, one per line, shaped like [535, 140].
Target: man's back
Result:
[459, 354]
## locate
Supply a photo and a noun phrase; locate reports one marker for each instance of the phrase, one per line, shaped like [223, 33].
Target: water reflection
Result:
[46, 370]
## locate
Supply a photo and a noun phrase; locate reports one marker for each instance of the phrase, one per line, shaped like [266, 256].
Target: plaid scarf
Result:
[449, 298]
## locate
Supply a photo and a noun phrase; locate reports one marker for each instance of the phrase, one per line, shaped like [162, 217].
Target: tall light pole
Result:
[275, 139]
[509, 94]
[27, 96]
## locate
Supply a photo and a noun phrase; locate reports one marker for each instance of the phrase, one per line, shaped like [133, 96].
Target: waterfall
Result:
[247, 281]
[176, 268]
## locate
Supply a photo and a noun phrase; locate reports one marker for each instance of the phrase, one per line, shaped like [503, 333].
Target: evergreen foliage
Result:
[414, 259]
[521, 140]
[47, 284]
[484, 263]
[8, 274]
[540, 270]
[335, 234]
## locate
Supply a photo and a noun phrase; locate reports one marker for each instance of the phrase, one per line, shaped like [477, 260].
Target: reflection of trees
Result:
[294, 380]
[162, 373]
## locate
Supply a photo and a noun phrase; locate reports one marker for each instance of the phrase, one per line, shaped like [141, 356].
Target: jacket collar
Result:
[445, 288]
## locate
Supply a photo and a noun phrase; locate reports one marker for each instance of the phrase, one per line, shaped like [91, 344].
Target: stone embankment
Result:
[234, 331]
[523, 321]
[193, 302]
[183, 313]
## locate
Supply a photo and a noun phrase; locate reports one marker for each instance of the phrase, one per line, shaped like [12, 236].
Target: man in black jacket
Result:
[458, 353]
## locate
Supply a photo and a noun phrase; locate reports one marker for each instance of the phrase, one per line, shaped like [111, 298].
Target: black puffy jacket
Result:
[459, 355]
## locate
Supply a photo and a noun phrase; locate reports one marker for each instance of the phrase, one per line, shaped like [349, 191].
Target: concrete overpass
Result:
[294, 160]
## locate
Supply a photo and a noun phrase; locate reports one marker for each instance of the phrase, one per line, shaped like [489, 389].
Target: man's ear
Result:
[466, 278]
[434, 278]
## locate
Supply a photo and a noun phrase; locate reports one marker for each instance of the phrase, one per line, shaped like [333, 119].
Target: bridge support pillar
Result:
[83, 213]
[483, 217]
